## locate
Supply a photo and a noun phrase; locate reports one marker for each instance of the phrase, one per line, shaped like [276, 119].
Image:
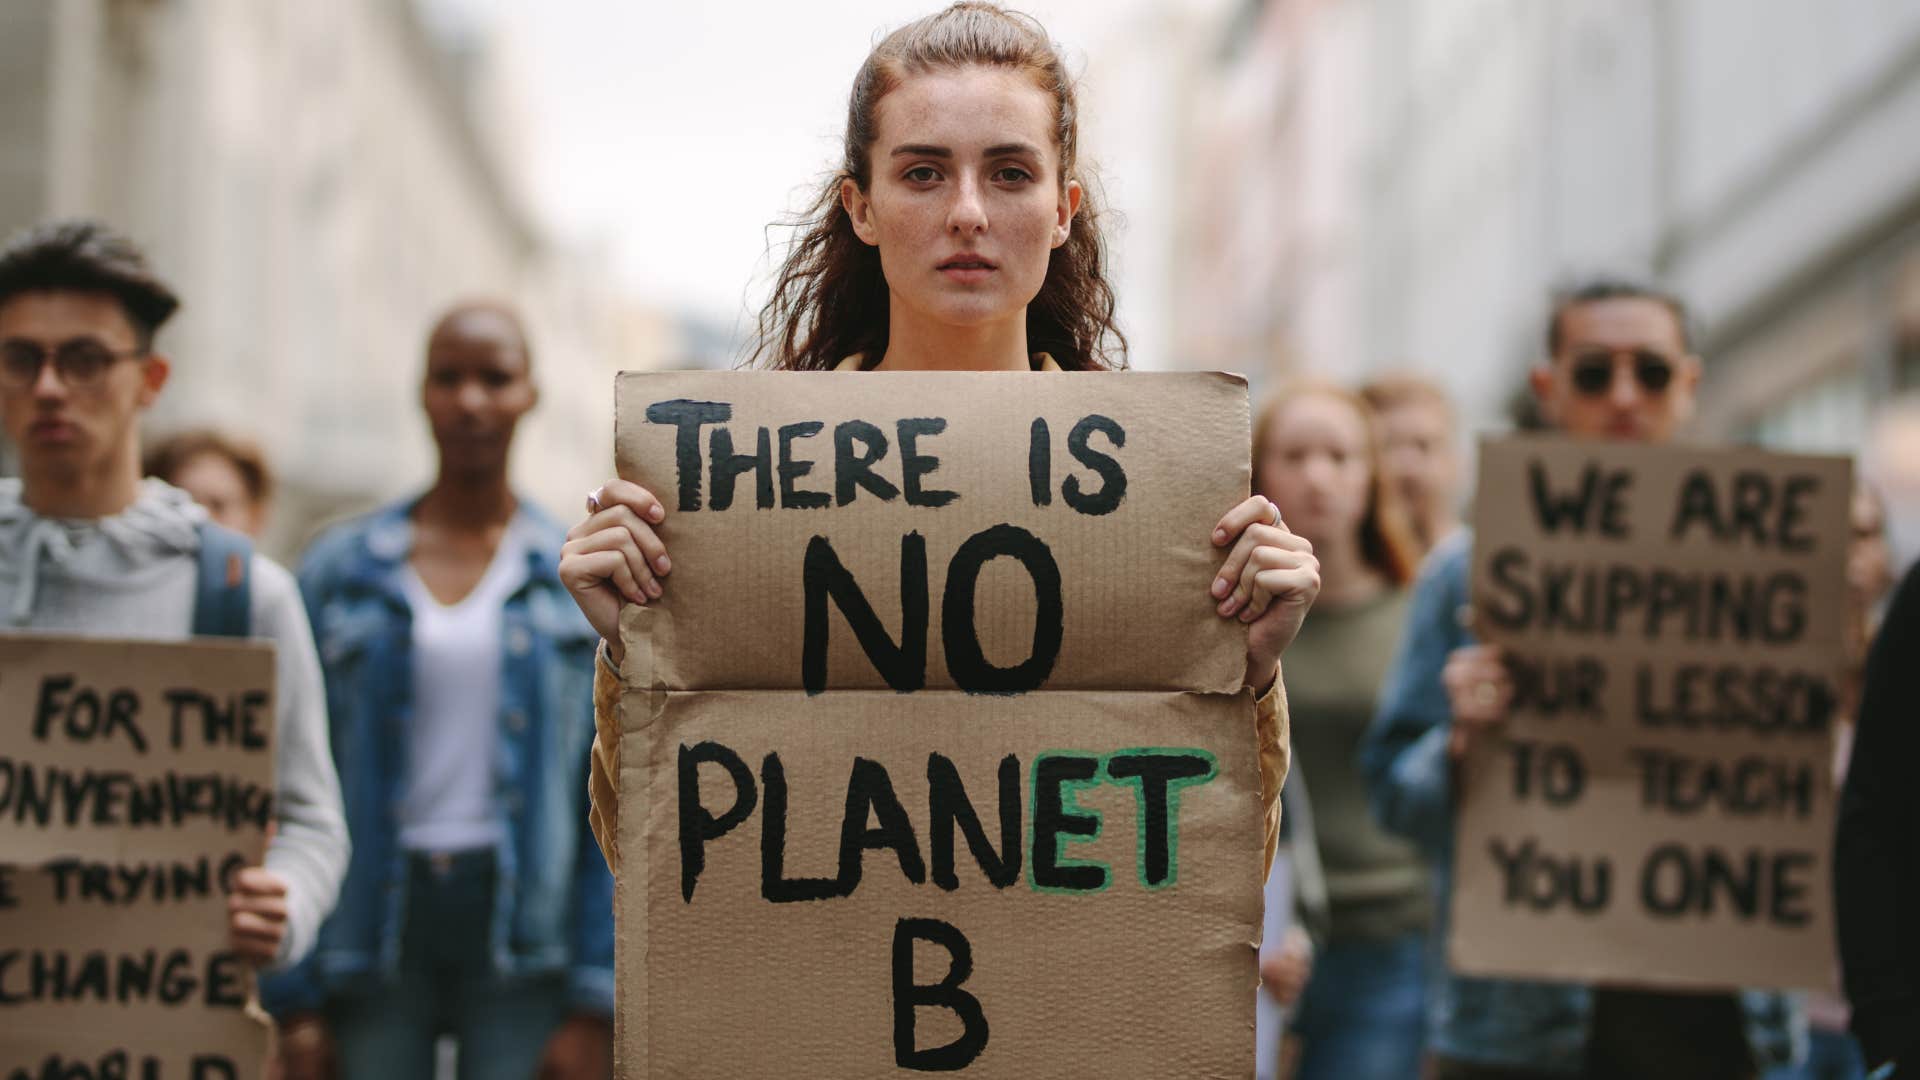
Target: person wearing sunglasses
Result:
[89, 548]
[1619, 366]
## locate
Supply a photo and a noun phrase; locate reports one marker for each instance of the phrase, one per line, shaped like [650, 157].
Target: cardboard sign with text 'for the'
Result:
[135, 778]
[1658, 807]
[933, 755]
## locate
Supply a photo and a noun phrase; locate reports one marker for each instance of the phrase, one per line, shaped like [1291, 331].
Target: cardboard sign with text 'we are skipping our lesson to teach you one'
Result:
[1658, 808]
[934, 756]
[135, 778]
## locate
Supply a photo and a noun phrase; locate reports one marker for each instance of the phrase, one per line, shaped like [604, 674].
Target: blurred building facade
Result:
[317, 180]
[1396, 183]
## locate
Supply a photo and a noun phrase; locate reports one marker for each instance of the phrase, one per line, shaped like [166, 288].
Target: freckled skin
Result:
[1009, 208]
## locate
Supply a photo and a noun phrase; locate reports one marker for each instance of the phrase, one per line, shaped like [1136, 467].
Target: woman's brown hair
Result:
[1386, 538]
[167, 457]
[830, 299]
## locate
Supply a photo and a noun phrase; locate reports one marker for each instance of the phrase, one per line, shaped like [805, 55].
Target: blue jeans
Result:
[1364, 1015]
[447, 985]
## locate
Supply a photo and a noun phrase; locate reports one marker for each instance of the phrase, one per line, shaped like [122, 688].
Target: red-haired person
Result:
[1317, 456]
[957, 235]
[1420, 452]
[226, 475]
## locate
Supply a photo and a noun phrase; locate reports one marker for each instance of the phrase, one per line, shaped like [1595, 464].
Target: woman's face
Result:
[965, 202]
[1315, 468]
[215, 482]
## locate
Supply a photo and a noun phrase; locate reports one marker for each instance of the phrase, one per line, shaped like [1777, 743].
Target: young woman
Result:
[958, 236]
[1316, 454]
[475, 906]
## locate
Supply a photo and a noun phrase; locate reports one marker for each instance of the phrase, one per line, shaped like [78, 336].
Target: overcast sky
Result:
[675, 132]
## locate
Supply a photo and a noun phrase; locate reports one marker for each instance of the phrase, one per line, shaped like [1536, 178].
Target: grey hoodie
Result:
[133, 575]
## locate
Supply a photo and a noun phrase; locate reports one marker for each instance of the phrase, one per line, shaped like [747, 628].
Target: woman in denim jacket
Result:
[459, 679]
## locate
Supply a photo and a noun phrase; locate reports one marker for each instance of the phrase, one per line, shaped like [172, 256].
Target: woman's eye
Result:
[1012, 174]
[922, 174]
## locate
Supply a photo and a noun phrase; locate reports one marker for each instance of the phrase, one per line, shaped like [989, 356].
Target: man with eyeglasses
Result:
[87, 547]
[1619, 366]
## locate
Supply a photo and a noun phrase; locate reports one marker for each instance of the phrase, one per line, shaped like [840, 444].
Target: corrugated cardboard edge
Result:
[647, 631]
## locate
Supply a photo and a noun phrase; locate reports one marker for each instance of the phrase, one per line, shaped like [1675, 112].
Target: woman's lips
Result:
[967, 269]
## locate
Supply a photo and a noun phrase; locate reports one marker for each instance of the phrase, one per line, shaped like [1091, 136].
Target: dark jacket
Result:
[1876, 865]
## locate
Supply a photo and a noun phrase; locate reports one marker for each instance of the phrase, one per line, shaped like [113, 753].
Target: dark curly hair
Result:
[86, 256]
[830, 299]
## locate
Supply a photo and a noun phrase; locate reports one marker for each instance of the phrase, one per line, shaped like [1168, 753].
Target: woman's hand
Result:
[1268, 581]
[615, 557]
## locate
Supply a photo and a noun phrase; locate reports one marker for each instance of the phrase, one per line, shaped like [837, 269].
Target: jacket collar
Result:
[388, 539]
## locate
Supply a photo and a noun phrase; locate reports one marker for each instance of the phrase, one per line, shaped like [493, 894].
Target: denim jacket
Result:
[554, 907]
[1502, 1022]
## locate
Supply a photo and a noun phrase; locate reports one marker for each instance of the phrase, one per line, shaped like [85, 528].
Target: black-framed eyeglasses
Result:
[1592, 373]
[79, 362]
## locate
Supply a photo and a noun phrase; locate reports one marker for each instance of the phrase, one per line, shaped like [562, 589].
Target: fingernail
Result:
[662, 564]
[655, 512]
[1230, 605]
[1220, 587]
[637, 597]
[1247, 615]
[593, 501]
[1219, 536]
[653, 590]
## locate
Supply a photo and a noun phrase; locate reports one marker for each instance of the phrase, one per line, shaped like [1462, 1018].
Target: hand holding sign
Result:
[615, 556]
[1270, 579]
[257, 914]
[1479, 693]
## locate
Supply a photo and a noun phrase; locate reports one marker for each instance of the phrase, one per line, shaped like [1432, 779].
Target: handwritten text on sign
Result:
[135, 779]
[936, 669]
[1658, 807]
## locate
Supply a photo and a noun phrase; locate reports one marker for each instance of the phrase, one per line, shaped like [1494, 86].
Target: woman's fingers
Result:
[1255, 509]
[621, 516]
[1233, 585]
[627, 542]
[625, 493]
[595, 568]
[1278, 581]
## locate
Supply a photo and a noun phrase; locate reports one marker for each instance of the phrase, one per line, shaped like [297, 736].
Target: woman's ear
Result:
[1069, 206]
[859, 210]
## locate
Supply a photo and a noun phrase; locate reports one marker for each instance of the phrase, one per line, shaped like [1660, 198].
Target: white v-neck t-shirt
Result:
[452, 740]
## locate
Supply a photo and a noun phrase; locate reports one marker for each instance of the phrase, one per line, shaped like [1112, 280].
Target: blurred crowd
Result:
[432, 879]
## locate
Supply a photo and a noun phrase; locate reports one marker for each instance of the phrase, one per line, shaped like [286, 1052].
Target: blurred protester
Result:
[226, 475]
[1420, 442]
[1877, 845]
[1832, 1053]
[460, 675]
[1891, 464]
[87, 547]
[1620, 366]
[1317, 455]
[1295, 901]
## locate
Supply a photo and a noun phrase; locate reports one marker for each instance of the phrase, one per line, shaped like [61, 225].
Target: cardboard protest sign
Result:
[1658, 808]
[135, 779]
[934, 756]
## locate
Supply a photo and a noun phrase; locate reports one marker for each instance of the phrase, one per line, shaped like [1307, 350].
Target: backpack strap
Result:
[223, 595]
